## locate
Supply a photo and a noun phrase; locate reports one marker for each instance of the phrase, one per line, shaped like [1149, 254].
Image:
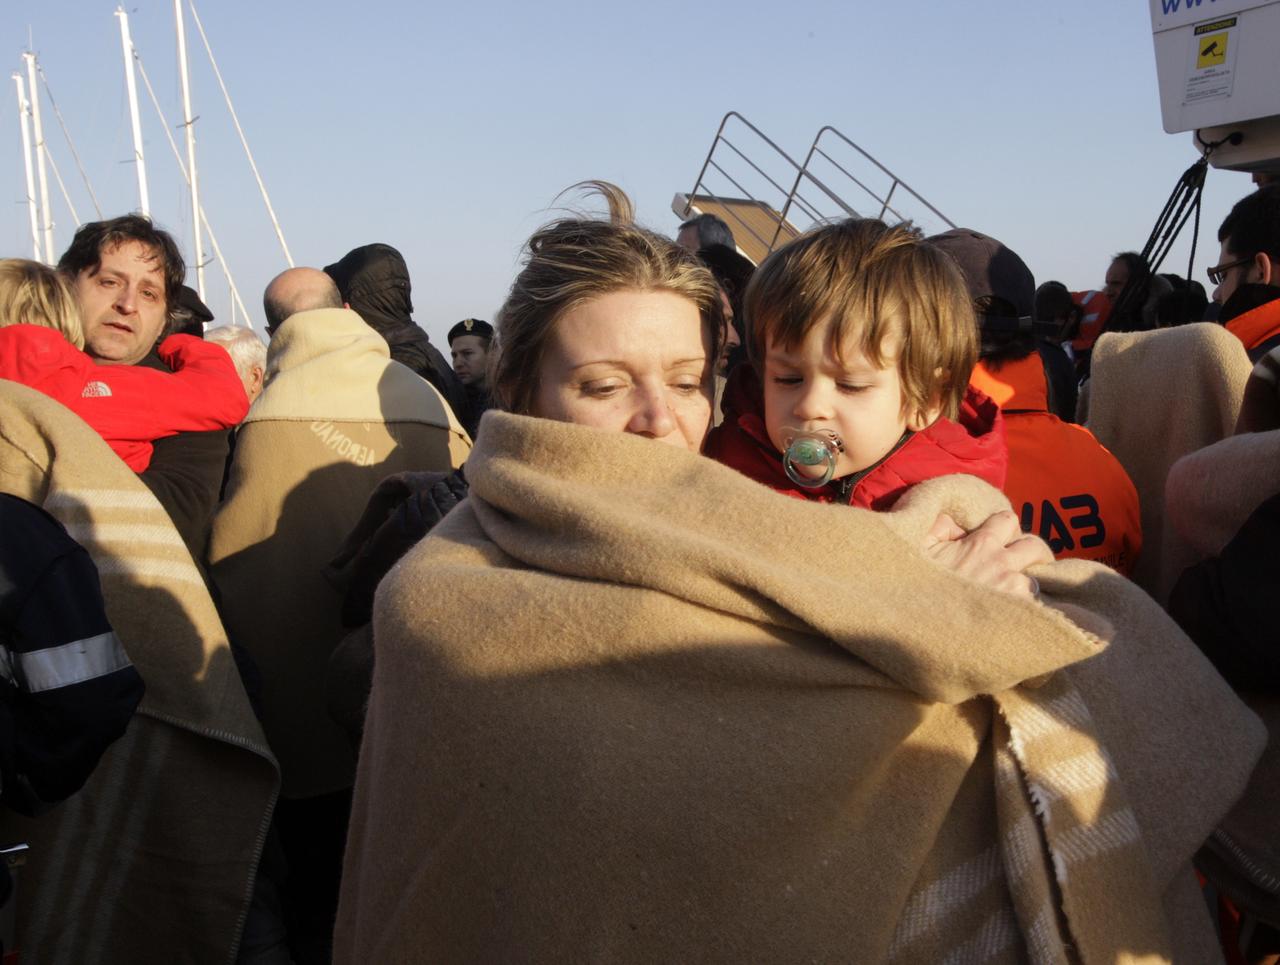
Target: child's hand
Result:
[995, 554]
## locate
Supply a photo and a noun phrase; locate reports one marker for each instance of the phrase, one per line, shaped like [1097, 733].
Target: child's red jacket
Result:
[128, 405]
[974, 444]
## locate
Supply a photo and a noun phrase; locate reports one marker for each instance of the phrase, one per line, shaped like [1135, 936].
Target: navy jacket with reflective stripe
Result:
[67, 688]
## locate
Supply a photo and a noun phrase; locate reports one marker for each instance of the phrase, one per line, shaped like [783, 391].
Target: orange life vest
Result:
[1257, 329]
[1097, 309]
[1064, 484]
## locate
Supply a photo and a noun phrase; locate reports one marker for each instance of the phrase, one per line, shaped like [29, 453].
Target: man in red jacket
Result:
[1064, 485]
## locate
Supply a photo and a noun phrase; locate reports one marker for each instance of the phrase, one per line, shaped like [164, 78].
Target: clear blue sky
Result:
[448, 130]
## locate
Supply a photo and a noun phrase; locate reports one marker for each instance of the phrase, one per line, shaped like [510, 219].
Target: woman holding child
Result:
[629, 705]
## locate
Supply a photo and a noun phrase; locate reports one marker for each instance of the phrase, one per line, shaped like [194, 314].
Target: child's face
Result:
[810, 389]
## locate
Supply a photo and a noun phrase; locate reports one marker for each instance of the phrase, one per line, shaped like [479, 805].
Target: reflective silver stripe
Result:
[71, 663]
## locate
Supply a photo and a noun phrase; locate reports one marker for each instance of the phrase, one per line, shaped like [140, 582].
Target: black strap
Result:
[1184, 202]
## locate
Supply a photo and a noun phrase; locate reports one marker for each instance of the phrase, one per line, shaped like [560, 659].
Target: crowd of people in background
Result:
[937, 628]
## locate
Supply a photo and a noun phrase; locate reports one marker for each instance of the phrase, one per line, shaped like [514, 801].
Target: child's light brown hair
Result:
[872, 280]
[35, 294]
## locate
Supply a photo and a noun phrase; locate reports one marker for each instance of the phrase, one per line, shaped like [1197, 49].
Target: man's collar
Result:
[152, 360]
[1246, 298]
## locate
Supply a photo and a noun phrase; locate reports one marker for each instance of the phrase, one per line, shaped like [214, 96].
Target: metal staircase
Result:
[745, 176]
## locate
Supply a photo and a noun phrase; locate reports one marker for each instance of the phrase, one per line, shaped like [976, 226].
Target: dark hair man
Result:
[127, 276]
[704, 231]
[1063, 484]
[469, 343]
[1247, 274]
[1128, 287]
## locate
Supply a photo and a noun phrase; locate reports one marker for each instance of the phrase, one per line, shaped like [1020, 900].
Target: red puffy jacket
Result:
[974, 445]
[128, 405]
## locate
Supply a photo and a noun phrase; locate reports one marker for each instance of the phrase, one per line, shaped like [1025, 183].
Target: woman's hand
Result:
[994, 554]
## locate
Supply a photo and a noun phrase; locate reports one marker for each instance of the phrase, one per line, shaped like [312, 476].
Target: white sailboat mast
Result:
[188, 122]
[204, 218]
[144, 202]
[271, 212]
[26, 157]
[42, 177]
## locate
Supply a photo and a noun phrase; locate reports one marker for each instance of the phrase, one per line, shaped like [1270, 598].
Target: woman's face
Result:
[630, 361]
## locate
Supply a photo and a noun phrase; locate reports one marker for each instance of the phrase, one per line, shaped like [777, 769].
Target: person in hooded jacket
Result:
[374, 282]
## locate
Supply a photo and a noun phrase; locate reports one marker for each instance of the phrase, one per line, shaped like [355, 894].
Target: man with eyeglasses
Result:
[1247, 275]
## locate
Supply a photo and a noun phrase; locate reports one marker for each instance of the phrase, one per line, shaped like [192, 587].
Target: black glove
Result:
[408, 506]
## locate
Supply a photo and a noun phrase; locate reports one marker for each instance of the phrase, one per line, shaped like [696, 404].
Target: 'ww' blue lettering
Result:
[1171, 6]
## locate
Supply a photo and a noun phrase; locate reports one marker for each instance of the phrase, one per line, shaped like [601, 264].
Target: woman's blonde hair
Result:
[871, 280]
[574, 260]
[35, 294]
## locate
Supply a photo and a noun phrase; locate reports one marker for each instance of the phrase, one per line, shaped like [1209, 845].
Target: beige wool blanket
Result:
[1154, 397]
[153, 860]
[1211, 492]
[630, 706]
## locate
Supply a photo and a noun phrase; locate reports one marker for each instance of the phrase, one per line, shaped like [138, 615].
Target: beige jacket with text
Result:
[336, 417]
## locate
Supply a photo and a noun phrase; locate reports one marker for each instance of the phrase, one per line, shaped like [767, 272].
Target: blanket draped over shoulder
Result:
[154, 859]
[630, 706]
[1211, 492]
[1153, 398]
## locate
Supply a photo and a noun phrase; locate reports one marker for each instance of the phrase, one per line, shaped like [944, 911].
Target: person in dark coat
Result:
[67, 688]
[732, 272]
[192, 315]
[126, 275]
[1224, 603]
[469, 343]
[374, 282]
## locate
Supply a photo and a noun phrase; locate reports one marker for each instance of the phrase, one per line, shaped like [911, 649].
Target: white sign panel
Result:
[1217, 61]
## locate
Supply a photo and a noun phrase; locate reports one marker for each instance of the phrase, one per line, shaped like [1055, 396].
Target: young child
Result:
[128, 405]
[862, 338]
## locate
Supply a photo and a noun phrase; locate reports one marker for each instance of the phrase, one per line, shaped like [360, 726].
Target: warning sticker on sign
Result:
[1213, 51]
[1213, 56]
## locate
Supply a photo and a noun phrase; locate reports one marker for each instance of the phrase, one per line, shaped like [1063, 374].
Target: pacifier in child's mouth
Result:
[810, 456]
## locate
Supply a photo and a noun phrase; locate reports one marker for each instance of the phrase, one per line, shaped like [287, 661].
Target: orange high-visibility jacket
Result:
[1064, 484]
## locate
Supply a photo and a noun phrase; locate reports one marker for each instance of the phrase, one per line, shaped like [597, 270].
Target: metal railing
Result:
[758, 177]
